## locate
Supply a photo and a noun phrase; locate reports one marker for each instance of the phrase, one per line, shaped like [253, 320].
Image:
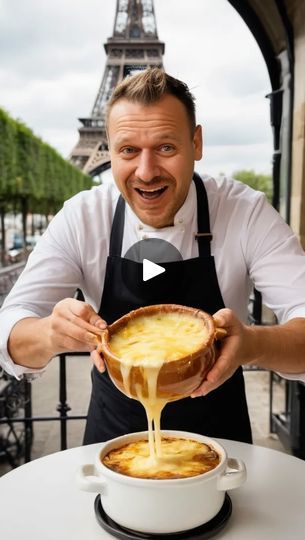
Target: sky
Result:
[52, 61]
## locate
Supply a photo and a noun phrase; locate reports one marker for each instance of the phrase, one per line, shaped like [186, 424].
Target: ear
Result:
[198, 143]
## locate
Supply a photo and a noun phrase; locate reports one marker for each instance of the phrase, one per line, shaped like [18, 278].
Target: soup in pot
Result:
[180, 458]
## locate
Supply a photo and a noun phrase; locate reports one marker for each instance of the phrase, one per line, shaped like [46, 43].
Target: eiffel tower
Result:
[134, 46]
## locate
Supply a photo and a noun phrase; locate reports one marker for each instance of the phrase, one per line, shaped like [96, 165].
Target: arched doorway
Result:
[279, 29]
[270, 25]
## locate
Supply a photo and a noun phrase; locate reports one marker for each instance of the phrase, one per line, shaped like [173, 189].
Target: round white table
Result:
[40, 500]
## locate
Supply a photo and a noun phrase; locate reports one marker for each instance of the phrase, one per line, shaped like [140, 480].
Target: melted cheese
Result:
[158, 338]
[181, 458]
[149, 341]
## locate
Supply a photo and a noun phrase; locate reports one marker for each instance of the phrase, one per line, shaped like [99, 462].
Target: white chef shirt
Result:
[252, 245]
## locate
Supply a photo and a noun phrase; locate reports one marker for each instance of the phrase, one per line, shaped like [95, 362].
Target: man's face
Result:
[152, 152]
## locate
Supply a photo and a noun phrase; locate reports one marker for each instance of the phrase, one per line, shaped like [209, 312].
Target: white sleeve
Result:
[8, 318]
[52, 273]
[276, 263]
[292, 376]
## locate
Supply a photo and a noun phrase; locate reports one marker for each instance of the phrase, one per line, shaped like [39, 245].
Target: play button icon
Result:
[151, 269]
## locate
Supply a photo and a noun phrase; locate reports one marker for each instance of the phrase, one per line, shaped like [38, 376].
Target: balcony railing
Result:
[8, 276]
[17, 421]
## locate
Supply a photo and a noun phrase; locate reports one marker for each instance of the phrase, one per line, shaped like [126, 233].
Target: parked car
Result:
[17, 251]
[17, 242]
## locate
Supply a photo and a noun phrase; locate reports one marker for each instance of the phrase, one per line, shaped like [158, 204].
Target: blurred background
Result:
[244, 63]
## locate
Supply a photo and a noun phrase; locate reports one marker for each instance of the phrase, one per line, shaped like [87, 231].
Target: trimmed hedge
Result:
[33, 176]
[31, 169]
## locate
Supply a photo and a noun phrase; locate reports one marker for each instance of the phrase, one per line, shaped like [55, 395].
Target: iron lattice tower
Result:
[133, 46]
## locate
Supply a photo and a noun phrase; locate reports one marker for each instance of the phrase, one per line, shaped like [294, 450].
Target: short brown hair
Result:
[149, 86]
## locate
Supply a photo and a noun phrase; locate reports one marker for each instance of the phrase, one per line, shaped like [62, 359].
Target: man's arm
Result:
[72, 326]
[279, 348]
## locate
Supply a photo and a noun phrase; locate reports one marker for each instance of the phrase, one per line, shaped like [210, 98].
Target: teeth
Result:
[151, 190]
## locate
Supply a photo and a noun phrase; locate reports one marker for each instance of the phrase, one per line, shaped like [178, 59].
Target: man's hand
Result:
[279, 348]
[72, 326]
[235, 349]
[75, 326]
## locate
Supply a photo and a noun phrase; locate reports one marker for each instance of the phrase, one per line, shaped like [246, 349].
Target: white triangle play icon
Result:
[150, 269]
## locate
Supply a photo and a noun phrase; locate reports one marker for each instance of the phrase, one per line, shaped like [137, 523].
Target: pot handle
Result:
[87, 480]
[234, 475]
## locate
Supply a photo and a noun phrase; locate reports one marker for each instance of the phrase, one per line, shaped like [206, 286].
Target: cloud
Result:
[43, 39]
[52, 62]
[235, 122]
[230, 158]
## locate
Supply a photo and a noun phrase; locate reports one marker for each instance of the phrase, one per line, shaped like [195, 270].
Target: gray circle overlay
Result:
[157, 251]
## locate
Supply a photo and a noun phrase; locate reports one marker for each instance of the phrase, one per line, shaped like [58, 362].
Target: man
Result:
[214, 239]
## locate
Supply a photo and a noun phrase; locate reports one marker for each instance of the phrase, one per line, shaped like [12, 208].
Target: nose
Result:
[147, 166]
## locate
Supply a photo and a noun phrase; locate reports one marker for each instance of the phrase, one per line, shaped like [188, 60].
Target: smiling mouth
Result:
[151, 193]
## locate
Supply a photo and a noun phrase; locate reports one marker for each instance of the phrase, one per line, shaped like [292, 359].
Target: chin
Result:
[156, 222]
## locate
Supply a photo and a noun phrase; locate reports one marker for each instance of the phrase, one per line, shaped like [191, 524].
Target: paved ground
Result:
[45, 401]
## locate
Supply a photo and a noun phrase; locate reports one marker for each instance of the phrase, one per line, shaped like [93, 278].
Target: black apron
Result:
[192, 282]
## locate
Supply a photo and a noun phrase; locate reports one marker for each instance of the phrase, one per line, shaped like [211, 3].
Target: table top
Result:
[41, 501]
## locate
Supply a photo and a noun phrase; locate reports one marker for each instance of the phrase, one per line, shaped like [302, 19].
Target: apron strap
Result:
[117, 229]
[203, 236]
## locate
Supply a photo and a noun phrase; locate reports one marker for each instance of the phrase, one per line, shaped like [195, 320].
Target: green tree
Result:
[260, 182]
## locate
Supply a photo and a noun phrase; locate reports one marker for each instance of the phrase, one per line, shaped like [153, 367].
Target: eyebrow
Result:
[167, 136]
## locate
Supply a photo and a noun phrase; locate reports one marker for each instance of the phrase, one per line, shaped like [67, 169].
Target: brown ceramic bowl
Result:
[177, 378]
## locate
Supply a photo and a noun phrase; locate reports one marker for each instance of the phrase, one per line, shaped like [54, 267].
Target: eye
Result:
[166, 148]
[127, 150]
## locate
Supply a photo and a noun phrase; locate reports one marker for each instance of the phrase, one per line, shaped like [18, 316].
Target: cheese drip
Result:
[149, 342]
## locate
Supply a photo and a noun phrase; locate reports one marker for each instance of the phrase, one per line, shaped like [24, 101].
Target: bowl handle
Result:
[234, 475]
[220, 333]
[87, 480]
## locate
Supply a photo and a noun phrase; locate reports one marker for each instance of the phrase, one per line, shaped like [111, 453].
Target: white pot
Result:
[161, 506]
